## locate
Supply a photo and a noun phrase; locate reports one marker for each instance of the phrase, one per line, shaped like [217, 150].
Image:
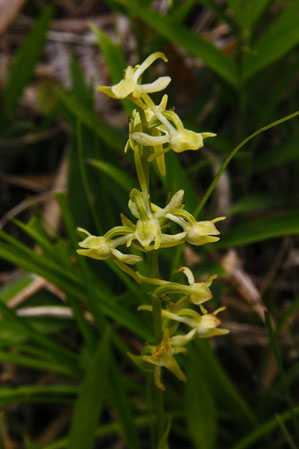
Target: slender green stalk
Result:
[286, 433]
[158, 395]
[231, 155]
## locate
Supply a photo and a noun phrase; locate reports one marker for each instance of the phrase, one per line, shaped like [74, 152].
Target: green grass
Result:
[239, 394]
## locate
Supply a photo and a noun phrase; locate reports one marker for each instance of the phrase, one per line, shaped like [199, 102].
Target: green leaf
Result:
[253, 10]
[261, 229]
[280, 38]
[226, 393]
[179, 35]
[213, 184]
[277, 156]
[109, 134]
[11, 289]
[264, 429]
[37, 364]
[57, 351]
[256, 202]
[26, 59]
[90, 400]
[115, 61]
[38, 393]
[200, 410]
[122, 406]
[119, 176]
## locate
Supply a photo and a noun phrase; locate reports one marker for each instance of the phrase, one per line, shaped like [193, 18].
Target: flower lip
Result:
[185, 139]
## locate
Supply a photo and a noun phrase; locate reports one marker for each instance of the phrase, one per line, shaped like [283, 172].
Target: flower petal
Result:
[148, 61]
[130, 259]
[124, 88]
[147, 140]
[156, 86]
[107, 90]
[93, 254]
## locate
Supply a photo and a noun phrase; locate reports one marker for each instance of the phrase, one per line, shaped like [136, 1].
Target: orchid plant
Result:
[178, 312]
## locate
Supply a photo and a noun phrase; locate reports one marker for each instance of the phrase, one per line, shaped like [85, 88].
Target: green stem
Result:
[158, 396]
[231, 155]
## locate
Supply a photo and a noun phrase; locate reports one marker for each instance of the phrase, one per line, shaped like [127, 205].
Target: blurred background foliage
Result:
[67, 323]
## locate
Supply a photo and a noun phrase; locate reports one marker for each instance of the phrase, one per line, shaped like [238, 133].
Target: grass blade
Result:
[261, 229]
[109, 134]
[115, 61]
[119, 176]
[123, 409]
[232, 154]
[58, 352]
[286, 433]
[26, 59]
[200, 410]
[280, 38]
[277, 156]
[38, 393]
[90, 400]
[179, 35]
[263, 430]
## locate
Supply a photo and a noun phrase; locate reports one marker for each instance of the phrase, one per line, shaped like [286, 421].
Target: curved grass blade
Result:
[38, 393]
[200, 410]
[90, 400]
[264, 429]
[109, 134]
[26, 59]
[38, 364]
[119, 176]
[277, 156]
[280, 38]
[232, 154]
[262, 229]
[179, 35]
[115, 61]
[123, 409]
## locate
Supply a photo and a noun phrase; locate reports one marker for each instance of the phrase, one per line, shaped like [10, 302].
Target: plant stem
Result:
[158, 396]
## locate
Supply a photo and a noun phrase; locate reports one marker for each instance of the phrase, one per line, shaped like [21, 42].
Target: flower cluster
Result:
[153, 131]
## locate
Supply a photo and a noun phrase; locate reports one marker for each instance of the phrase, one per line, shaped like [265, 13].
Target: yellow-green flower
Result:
[174, 134]
[148, 228]
[162, 355]
[197, 292]
[104, 247]
[131, 87]
[197, 232]
[204, 326]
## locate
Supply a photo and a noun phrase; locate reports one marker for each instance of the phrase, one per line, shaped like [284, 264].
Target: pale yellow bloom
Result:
[104, 247]
[148, 228]
[204, 326]
[162, 355]
[174, 134]
[131, 87]
[197, 232]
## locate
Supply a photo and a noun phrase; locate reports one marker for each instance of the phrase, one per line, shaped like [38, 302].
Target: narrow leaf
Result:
[277, 156]
[26, 59]
[119, 176]
[90, 400]
[261, 229]
[200, 410]
[109, 134]
[115, 61]
[179, 35]
[280, 38]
